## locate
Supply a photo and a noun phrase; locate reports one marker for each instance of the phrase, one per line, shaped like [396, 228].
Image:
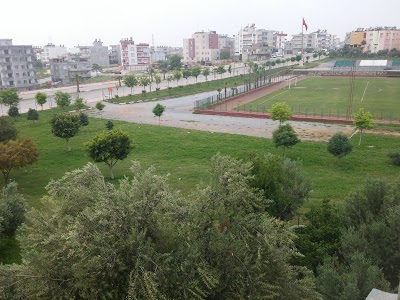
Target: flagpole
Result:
[302, 37]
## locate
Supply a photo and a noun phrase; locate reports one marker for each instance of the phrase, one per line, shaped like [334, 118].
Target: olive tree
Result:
[109, 147]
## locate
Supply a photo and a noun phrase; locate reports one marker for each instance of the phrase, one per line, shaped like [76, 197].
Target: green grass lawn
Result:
[329, 96]
[185, 154]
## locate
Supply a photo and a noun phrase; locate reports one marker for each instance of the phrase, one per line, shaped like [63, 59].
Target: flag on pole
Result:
[305, 24]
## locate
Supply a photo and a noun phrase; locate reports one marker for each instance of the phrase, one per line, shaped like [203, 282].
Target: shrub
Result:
[109, 125]
[116, 96]
[83, 119]
[395, 158]
[32, 114]
[13, 111]
[143, 91]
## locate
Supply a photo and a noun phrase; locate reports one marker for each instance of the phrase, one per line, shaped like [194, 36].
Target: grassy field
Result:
[185, 154]
[329, 96]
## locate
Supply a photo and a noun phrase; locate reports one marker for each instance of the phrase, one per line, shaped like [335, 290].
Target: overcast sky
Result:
[73, 22]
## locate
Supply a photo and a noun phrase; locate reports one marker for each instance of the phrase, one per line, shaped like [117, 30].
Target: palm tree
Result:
[96, 68]
[78, 79]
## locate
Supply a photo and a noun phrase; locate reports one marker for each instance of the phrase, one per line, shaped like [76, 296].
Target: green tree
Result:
[363, 120]
[109, 147]
[83, 119]
[230, 70]
[109, 125]
[77, 79]
[96, 68]
[175, 62]
[221, 70]
[285, 137]
[100, 106]
[298, 58]
[280, 111]
[62, 99]
[282, 182]
[177, 76]
[195, 72]
[79, 103]
[163, 67]
[13, 111]
[12, 210]
[130, 81]
[144, 81]
[41, 98]
[9, 97]
[65, 126]
[225, 55]
[16, 154]
[32, 114]
[7, 130]
[186, 74]
[339, 145]
[206, 73]
[157, 79]
[158, 110]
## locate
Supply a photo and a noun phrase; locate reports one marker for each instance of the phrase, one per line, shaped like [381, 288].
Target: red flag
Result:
[305, 24]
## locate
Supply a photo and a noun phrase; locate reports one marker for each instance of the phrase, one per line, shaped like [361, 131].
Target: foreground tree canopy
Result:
[142, 240]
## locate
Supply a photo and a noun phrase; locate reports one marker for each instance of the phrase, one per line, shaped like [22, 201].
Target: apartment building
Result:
[134, 56]
[205, 47]
[99, 54]
[318, 40]
[249, 35]
[16, 66]
[114, 55]
[375, 39]
[51, 51]
[63, 70]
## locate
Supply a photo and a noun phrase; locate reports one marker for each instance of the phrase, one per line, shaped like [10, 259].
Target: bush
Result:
[12, 210]
[395, 158]
[143, 92]
[116, 96]
[13, 111]
[339, 145]
[32, 114]
[7, 130]
[157, 89]
[83, 119]
[109, 125]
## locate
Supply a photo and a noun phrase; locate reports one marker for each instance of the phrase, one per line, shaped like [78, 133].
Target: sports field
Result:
[329, 96]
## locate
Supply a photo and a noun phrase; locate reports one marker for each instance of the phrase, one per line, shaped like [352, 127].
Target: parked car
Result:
[116, 72]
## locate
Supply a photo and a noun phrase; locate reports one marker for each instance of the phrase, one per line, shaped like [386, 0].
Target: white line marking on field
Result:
[266, 100]
[362, 98]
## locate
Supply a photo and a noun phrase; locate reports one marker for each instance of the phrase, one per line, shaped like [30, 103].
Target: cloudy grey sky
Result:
[73, 22]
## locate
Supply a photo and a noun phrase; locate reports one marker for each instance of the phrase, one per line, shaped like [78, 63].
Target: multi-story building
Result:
[16, 66]
[134, 56]
[318, 40]
[63, 70]
[99, 54]
[114, 55]
[158, 53]
[375, 39]
[51, 51]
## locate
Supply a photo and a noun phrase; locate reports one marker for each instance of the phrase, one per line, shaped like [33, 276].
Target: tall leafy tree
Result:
[7, 130]
[280, 111]
[65, 126]
[62, 99]
[130, 81]
[41, 98]
[109, 147]
[363, 120]
[9, 97]
[16, 154]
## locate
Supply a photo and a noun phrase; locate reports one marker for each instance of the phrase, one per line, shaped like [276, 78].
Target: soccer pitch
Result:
[329, 96]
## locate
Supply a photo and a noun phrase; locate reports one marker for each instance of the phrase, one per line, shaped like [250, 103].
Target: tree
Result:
[282, 182]
[206, 73]
[298, 58]
[157, 79]
[62, 99]
[12, 210]
[109, 147]
[221, 70]
[100, 106]
[285, 137]
[363, 120]
[41, 98]
[78, 79]
[16, 154]
[169, 79]
[130, 81]
[280, 111]
[109, 125]
[96, 68]
[339, 145]
[32, 114]
[13, 111]
[177, 75]
[175, 62]
[83, 119]
[163, 67]
[158, 110]
[230, 70]
[225, 55]
[7, 130]
[65, 126]
[9, 97]
[79, 103]
[195, 72]
[144, 81]
[186, 74]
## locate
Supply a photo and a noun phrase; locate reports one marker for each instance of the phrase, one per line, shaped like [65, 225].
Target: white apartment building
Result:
[51, 51]
[318, 40]
[134, 56]
[202, 47]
